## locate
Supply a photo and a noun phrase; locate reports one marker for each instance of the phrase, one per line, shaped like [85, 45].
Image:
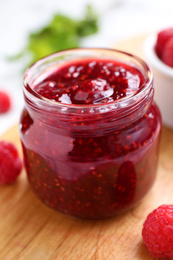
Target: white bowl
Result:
[163, 81]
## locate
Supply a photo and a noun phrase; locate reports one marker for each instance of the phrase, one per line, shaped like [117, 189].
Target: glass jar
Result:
[90, 161]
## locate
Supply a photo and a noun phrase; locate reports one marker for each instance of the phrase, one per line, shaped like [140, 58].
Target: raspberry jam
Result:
[90, 131]
[90, 82]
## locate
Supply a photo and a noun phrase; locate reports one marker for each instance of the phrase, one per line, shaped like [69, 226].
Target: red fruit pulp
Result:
[87, 166]
[90, 82]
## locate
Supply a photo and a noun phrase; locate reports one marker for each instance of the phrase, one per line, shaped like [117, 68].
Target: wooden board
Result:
[31, 231]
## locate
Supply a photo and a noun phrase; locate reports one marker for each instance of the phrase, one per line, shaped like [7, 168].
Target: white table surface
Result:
[119, 19]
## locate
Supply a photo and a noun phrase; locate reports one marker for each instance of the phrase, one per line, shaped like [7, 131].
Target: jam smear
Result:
[90, 82]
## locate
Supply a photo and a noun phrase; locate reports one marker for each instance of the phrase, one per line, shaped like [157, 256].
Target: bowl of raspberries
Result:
[158, 50]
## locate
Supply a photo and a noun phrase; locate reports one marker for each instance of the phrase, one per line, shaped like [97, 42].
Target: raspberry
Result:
[157, 232]
[5, 102]
[167, 53]
[162, 38]
[10, 163]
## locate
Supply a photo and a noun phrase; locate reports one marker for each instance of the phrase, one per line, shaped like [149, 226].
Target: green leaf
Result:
[89, 25]
[61, 33]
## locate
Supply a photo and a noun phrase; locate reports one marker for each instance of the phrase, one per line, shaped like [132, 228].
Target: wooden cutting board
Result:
[31, 231]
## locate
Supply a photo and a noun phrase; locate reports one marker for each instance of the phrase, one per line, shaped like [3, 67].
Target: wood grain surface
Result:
[31, 231]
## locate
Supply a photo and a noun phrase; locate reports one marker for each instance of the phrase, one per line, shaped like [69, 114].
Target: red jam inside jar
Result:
[90, 131]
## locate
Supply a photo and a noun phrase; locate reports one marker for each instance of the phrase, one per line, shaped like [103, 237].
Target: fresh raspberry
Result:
[167, 53]
[10, 163]
[157, 232]
[5, 102]
[162, 38]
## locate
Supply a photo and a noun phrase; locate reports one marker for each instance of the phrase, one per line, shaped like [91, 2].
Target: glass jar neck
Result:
[119, 113]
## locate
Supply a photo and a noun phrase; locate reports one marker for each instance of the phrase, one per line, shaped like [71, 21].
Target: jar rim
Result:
[104, 107]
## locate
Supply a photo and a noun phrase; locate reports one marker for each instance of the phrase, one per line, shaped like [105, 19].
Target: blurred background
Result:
[116, 20]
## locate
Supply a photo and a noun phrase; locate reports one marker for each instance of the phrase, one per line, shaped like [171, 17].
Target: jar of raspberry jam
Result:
[90, 131]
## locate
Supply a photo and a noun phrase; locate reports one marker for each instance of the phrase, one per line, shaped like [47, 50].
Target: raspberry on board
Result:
[10, 163]
[5, 102]
[157, 232]
[162, 38]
